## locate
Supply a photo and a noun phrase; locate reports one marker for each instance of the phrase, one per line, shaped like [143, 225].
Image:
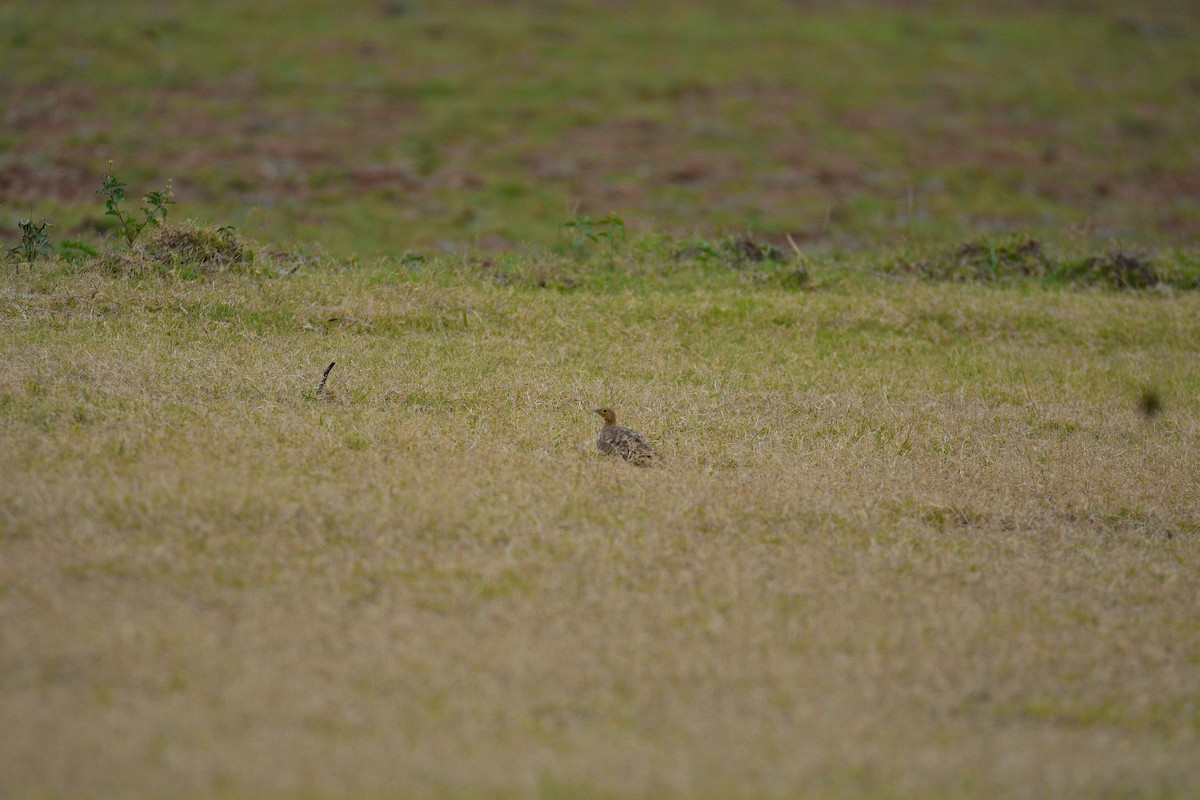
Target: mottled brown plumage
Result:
[628, 444]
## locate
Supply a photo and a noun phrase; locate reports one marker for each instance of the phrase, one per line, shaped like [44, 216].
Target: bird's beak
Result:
[595, 411]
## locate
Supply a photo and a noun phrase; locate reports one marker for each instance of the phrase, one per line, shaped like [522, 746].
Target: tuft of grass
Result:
[187, 250]
[1017, 258]
[1119, 269]
[985, 260]
[1150, 402]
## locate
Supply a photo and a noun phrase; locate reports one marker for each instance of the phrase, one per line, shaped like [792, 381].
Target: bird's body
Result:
[628, 444]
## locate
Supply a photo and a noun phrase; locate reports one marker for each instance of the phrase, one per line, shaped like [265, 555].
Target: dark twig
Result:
[325, 377]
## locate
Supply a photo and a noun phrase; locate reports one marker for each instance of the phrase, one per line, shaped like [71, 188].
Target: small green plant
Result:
[584, 231]
[153, 213]
[1151, 402]
[34, 241]
[76, 252]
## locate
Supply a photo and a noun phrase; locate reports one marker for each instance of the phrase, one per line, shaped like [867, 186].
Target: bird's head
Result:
[607, 414]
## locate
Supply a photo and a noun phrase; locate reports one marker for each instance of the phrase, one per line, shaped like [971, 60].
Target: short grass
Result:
[380, 127]
[908, 538]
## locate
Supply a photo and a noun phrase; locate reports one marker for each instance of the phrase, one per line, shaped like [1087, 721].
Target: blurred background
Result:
[387, 126]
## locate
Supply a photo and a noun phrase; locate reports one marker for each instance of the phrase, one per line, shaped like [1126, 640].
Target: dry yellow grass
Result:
[908, 541]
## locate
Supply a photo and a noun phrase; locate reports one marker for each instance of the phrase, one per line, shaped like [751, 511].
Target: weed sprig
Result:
[584, 230]
[153, 213]
[34, 240]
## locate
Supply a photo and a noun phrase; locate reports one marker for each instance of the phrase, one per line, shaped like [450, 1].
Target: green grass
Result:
[488, 127]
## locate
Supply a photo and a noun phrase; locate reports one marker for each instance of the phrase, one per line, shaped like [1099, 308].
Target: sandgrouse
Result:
[615, 440]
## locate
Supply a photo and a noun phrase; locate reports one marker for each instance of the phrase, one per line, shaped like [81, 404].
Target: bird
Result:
[628, 444]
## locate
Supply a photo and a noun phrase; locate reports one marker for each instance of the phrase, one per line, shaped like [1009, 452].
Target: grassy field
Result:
[377, 127]
[907, 539]
[905, 298]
